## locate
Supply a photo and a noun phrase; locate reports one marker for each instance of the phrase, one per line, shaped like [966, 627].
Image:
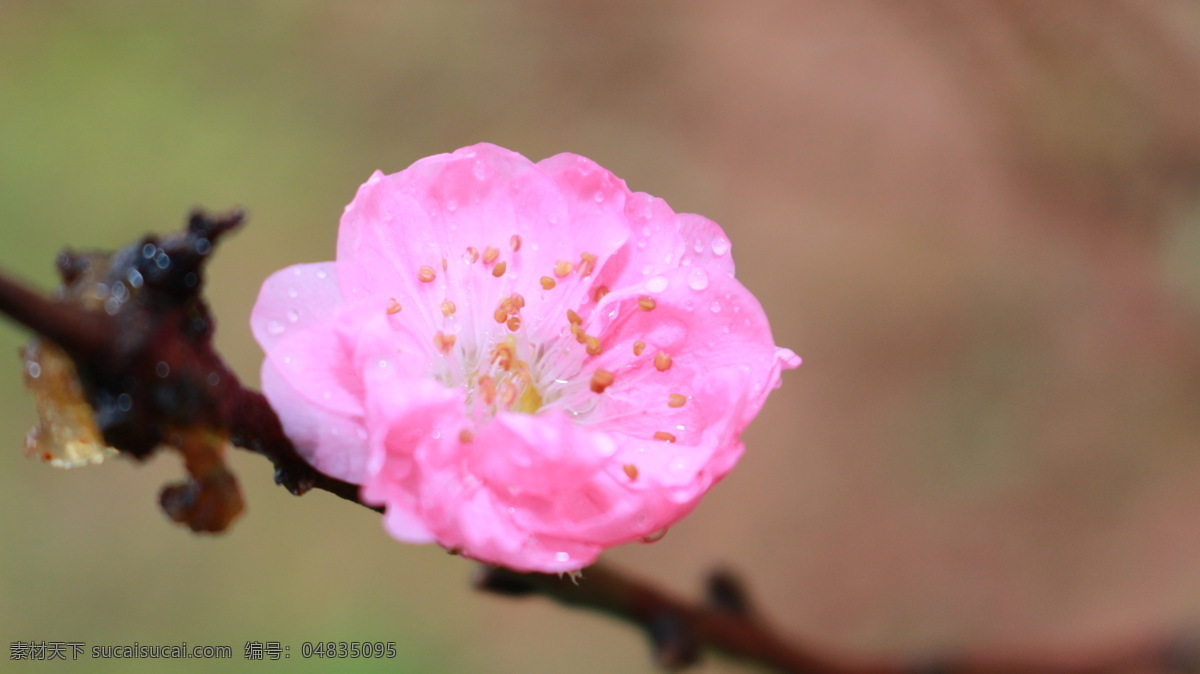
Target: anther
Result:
[638, 347]
[487, 389]
[630, 470]
[465, 435]
[664, 436]
[499, 269]
[593, 346]
[580, 335]
[599, 293]
[562, 268]
[514, 323]
[472, 254]
[587, 264]
[500, 315]
[502, 356]
[448, 308]
[662, 362]
[426, 274]
[444, 342]
[601, 379]
[574, 318]
[548, 283]
[393, 306]
[515, 242]
[676, 400]
[646, 303]
[490, 254]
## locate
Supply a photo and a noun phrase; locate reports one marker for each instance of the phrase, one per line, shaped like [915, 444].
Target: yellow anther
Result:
[490, 254]
[599, 293]
[500, 315]
[518, 300]
[393, 306]
[664, 436]
[426, 274]
[593, 346]
[465, 435]
[515, 242]
[662, 362]
[601, 379]
[499, 269]
[638, 347]
[472, 254]
[562, 268]
[676, 400]
[580, 335]
[630, 470]
[646, 303]
[448, 308]
[574, 318]
[548, 283]
[502, 356]
[514, 323]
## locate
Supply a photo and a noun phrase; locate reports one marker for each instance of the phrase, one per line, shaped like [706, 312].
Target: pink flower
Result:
[525, 363]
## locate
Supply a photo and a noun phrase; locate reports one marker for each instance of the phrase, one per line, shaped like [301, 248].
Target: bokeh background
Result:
[979, 222]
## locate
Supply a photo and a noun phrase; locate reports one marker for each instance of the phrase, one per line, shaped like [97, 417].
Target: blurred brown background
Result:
[979, 223]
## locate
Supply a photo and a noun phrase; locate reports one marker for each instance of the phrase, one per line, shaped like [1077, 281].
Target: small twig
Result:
[140, 337]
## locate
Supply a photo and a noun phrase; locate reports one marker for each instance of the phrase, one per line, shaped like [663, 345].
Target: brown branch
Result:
[140, 338]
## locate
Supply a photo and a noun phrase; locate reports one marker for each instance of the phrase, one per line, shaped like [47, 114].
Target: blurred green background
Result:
[978, 222]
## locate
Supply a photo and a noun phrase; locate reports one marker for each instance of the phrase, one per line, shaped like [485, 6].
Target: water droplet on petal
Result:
[715, 307]
[34, 370]
[562, 557]
[452, 205]
[657, 284]
[720, 245]
[699, 247]
[293, 293]
[274, 328]
[293, 315]
[321, 273]
[647, 269]
[598, 196]
[641, 243]
[698, 279]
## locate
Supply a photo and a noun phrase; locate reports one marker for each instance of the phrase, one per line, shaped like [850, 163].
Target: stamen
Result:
[562, 268]
[580, 335]
[426, 274]
[508, 394]
[472, 254]
[630, 470]
[601, 379]
[465, 435]
[646, 303]
[502, 356]
[487, 389]
[448, 308]
[444, 342]
[490, 254]
[499, 269]
[662, 362]
[574, 318]
[587, 264]
[393, 306]
[515, 242]
[664, 436]
[676, 400]
[599, 293]
[518, 300]
[548, 283]
[514, 323]
[638, 347]
[593, 346]
[500, 315]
